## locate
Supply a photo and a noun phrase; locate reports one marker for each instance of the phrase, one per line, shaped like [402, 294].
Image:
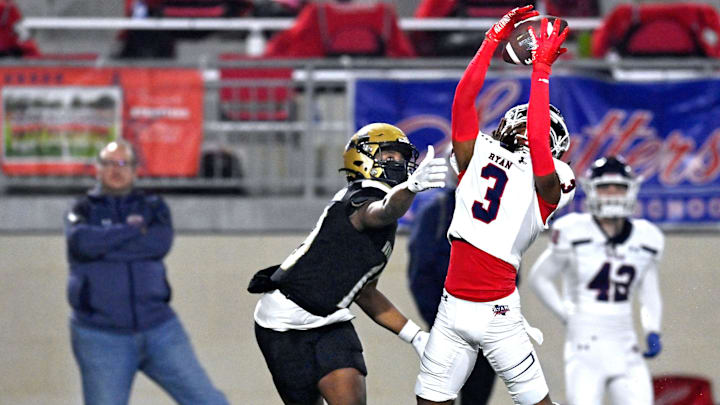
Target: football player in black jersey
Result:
[302, 320]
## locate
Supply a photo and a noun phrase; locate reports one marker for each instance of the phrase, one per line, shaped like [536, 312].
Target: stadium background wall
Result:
[209, 274]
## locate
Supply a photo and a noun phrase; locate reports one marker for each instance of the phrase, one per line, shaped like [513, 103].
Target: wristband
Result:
[409, 331]
[412, 187]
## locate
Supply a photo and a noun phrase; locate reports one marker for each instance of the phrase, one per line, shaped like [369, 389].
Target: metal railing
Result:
[298, 152]
[261, 24]
[246, 148]
[255, 27]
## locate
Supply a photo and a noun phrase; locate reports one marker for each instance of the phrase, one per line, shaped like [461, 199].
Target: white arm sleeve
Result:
[542, 281]
[651, 303]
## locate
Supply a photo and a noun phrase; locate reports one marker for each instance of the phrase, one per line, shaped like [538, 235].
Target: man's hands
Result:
[548, 46]
[430, 174]
[137, 221]
[653, 345]
[502, 29]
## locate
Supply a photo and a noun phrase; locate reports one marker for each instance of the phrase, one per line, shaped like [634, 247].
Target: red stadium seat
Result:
[572, 8]
[678, 29]
[682, 390]
[13, 43]
[264, 102]
[457, 43]
[330, 29]
[192, 8]
[162, 43]
[488, 8]
[467, 8]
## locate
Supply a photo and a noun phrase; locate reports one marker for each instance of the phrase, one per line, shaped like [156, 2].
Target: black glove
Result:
[261, 282]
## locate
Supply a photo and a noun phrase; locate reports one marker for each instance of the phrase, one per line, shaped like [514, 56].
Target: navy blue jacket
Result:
[430, 253]
[117, 276]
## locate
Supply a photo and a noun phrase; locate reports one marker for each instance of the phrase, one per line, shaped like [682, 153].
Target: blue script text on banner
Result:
[668, 131]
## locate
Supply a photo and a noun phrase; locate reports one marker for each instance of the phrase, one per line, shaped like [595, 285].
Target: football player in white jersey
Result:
[604, 257]
[510, 184]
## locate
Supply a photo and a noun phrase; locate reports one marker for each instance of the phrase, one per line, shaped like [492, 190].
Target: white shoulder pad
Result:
[566, 229]
[340, 194]
[482, 140]
[567, 182]
[652, 236]
[483, 135]
[567, 221]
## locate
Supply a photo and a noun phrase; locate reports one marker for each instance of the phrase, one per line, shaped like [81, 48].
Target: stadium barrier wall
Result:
[209, 274]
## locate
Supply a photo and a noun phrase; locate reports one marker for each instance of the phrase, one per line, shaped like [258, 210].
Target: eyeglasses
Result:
[117, 163]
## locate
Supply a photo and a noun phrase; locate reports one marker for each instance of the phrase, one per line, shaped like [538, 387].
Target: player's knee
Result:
[531, 396]
[434, 392]
[435, 383]
[343, 386]
[525, 381]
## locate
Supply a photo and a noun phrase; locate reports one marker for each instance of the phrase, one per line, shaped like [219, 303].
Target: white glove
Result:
[411, 333]
[430, 174]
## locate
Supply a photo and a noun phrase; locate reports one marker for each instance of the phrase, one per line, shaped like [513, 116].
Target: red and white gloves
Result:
[501, 30]
[548, 46]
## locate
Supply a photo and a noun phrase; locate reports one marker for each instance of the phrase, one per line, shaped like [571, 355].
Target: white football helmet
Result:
[605, 171]
[511, 131]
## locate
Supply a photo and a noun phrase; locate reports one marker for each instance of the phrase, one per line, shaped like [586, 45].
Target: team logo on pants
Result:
[501, 309]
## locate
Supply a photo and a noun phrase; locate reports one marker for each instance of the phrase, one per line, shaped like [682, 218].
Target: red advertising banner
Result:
[55, 120]
[163, 118]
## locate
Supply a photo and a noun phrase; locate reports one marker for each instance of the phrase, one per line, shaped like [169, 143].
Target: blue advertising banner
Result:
[668, 131]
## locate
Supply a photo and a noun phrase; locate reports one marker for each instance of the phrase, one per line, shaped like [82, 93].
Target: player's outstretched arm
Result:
[538, 126]
[651, 310]
[379, 308]
[430, 174]
[542, 277]
[465, 125]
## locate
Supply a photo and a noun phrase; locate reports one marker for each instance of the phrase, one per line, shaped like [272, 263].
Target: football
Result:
[519, 46]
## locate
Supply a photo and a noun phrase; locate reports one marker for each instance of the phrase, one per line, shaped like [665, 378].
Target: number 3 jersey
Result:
[601, 274]
[498, 214]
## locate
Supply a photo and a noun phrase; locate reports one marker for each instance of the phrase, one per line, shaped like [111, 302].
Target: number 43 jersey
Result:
[601, 274]
[497, 209]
